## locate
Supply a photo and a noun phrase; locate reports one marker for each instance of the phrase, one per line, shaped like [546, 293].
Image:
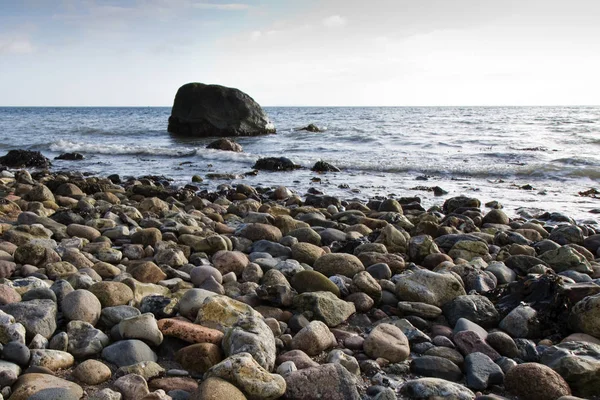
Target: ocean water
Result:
[487, 152]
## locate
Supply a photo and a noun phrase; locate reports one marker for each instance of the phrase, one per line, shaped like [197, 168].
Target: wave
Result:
[120, 149]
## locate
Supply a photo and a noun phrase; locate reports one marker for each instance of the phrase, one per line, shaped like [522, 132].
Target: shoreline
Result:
[294, 288]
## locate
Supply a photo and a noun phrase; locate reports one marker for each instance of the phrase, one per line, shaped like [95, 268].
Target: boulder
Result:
[24, 158]
[213, 110]
[225, 145]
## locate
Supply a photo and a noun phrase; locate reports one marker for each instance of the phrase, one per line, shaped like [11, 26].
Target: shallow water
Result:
[486, 152]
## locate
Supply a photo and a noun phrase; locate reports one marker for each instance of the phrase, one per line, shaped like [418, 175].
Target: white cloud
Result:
[15, 45]
[335, 21]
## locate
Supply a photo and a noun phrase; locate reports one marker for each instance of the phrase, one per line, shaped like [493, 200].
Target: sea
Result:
[530, 159]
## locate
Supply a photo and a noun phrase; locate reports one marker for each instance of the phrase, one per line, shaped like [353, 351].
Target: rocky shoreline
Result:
[137, 290]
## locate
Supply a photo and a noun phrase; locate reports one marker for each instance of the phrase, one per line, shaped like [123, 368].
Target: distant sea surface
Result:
[528, 158]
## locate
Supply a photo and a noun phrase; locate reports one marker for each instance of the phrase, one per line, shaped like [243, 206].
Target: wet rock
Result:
[475, 308]
[24, 158]
[70, 156]
[275, 164]
[226, 145]
[566, 258]
[322, 166]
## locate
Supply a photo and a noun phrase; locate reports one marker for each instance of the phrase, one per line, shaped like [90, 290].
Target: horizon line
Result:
[317, 106]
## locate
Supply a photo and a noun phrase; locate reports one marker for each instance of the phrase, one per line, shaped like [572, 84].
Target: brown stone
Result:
[532, 381]
[199, 357]
[173, 383]
[217, 389]
[147, 272]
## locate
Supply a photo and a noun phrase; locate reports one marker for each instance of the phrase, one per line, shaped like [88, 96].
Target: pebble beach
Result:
[131, 288]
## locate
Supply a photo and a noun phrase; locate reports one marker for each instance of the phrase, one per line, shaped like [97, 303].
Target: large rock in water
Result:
[214, 110]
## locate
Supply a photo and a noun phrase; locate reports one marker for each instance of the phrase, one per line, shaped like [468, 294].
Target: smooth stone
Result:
[92, 372]
[143, 327]
[521, 322]
[17, 353]
[387, 341]
[111, 316]
[128, 352]
[33, 384]
[338, 264]
[192, 299]
[314, 338]
[199, 357]
[470, 342]
[81, 305]
[337, 356]
[436, 367]
[532, 381]
[313, 281]
[217, 389]
[435, 388]
[112, 293]
[482, 372]
[51, 359]
[503, 344]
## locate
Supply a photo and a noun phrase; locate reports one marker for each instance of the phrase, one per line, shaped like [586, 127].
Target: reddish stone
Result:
[189, 332]
[470, 342]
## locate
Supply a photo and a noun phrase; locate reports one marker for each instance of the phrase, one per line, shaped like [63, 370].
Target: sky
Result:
[301, 52]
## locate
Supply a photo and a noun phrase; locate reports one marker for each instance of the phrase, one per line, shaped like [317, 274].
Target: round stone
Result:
[81, 305]
[532, 381]
[92, 372]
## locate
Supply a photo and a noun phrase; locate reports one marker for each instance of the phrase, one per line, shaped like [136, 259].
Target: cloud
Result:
[335, 21]
[222, 7]
[15, 45]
